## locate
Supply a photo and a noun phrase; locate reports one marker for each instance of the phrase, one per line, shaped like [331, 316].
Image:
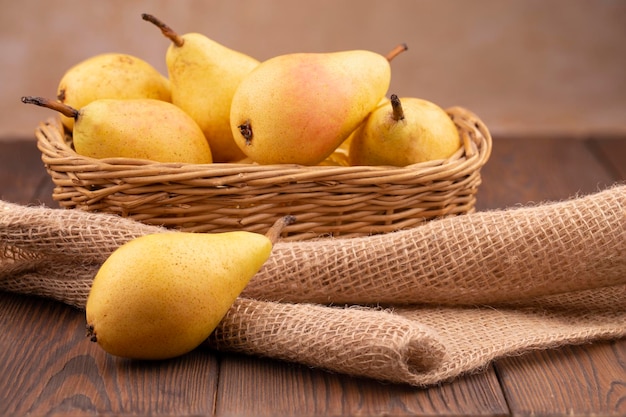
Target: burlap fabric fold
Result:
[457, 292]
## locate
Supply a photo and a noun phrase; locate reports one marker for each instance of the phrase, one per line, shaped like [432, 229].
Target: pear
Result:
[149, 129]
[161, 295]
[404, 132]
[298, 108]
[204, 75]
[110, 75]
[340, 157]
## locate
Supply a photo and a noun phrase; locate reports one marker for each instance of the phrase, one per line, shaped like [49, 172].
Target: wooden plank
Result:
[22, 174]
[572, 380]
[576, 380]
[49, 367]
[612, 152]
[528, 170]
[285, 389]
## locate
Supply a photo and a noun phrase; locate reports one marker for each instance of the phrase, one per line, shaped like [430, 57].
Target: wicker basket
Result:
[326, 200]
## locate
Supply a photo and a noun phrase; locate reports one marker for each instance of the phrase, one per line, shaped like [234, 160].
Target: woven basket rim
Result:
[55, 149]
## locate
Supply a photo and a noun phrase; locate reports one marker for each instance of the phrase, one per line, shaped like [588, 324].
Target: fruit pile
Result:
[218, 105]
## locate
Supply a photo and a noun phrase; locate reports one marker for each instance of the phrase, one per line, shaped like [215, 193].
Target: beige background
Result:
[524, 66]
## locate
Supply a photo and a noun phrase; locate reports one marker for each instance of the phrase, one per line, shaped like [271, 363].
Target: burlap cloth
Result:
[419, 306]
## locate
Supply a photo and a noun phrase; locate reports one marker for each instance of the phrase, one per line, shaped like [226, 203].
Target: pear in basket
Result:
[110, 75]
[298, 108]
[204, 75]
[149, 129]
[404, 132]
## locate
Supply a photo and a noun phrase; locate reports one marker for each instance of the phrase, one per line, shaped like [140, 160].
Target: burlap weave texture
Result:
[457, 292]
[486, 257]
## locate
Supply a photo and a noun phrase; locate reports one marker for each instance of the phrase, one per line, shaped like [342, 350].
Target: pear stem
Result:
[396, 51]
[167, 31]
[396, 105]
[273, 234]
[64, 109]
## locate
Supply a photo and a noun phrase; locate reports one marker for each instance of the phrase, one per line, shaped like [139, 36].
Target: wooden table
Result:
[49, 367]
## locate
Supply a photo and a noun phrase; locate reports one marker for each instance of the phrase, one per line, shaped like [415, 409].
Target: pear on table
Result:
[404, 132]
[110, 75]
[204, 75]
[161, 295]
[149, 129]
[298, 108]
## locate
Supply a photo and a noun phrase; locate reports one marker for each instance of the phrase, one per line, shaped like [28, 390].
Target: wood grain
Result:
[48, 366]
[22, 174]
[572, 380]
[612, 153]
[284, 389]
[530, 171]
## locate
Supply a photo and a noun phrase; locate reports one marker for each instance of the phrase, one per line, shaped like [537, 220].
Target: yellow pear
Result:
[298, 108]
[204, 75]
[133, 128]
[161, 295]
[340, 157]
[404, 132]
[110, 75]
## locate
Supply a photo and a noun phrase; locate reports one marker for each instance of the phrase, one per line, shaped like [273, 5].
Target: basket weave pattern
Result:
[326, 200]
